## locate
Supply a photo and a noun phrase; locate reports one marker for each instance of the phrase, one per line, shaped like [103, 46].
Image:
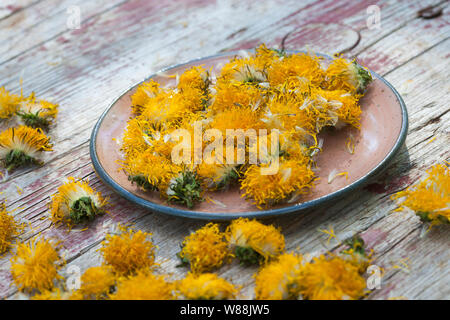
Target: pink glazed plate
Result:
[384, 124]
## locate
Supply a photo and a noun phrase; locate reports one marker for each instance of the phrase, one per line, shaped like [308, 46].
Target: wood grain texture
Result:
[122, 42]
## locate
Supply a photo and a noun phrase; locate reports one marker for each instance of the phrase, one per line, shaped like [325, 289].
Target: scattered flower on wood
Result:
[129, 251]
[430, 197]
[75, 202]
[206, 286]
[205, 249]
[35, 265]
[277, 280]
[254, 242]
[37, 113]
[331, 278]
[20, 146]
[96, 284]
[9, 228]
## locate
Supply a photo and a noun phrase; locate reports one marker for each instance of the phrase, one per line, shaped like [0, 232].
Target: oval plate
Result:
[384, 124]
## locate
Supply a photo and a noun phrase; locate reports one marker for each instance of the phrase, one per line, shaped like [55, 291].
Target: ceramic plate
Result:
[384, 124]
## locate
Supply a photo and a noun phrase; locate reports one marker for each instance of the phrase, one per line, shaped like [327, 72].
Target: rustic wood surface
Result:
[122, 41]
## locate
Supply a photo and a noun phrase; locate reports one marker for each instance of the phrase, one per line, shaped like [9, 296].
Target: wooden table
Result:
[120, 42]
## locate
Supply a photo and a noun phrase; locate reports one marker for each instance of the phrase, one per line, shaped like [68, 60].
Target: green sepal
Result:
[186, 189]
[423, 216]
[83, 209]
[248, 256]
[357, 244]
[279, 52]
[34, 120]
[184, 262]
[17, 158]
[364, 78]
[142, 182]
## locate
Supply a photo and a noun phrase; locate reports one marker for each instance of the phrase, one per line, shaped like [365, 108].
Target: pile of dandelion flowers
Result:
[430, 197]
[35, 265]
[206, 286]
[21, 145]
[264, 91]
[205, 249]
[9, 228]
[75, 202]
[129, 251]
[253, 241]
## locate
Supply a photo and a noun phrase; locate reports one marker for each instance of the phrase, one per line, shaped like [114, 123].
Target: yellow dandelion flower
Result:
[291, 179]
[243, 70]
[340, 104]
[194, 78]
[347, 75]
[241, 95]
[250, 69]
[37, 114]
[96, 283]
[9, 228]
[169, 108]
[296, 67]
[144, 286]
[35, 265]
[331, 278]
[253, 241]
[206, 286]
[20, 146]
[151, 172]
[134, 139]
[237, 118]
[277, 280]
[430, 197]
[8, 103]
[144, 92]
[75, 202]
[218, 176]
[204, 249]
[129, 251]
[159, 142]
[299, 145]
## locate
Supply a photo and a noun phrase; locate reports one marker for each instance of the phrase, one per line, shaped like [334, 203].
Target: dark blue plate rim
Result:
[250, 214]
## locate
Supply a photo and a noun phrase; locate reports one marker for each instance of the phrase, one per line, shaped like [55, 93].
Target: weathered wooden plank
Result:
[365, 211]
[8, 8]
[34, 25]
